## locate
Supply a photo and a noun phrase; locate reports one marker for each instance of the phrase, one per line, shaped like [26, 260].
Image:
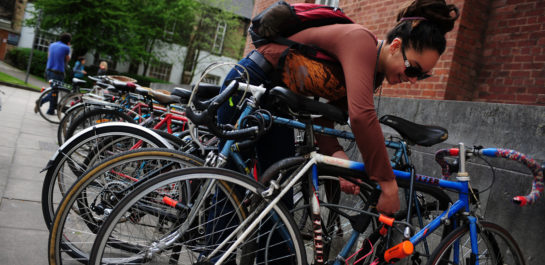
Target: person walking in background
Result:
[58, 55]
[102, 68]
[79, 72]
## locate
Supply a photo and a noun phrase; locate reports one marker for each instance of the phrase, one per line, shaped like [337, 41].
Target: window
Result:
[211, 79]
[160, 70]
[43, 39]
[334, 3]
[219, 37]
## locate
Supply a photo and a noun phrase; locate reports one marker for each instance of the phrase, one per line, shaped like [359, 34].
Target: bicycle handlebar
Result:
[208, 111]
[537, 170]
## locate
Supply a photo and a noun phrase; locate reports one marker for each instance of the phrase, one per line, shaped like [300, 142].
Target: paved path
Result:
[21, 75]
[27, 141]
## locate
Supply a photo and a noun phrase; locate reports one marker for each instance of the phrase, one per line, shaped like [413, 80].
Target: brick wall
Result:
[495, 52]
[513, 69]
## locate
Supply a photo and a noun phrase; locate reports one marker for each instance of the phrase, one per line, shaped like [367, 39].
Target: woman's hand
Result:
[349, 187]
[346, 186]
[388, 202]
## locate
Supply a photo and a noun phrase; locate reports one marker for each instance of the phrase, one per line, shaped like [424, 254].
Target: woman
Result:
[409, 52]
[78, 68]
[102, 68]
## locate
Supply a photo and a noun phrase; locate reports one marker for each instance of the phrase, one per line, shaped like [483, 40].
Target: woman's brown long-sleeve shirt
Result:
[356, 49]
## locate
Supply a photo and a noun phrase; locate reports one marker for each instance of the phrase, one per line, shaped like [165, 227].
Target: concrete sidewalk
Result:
[28, 141]
[21, 75]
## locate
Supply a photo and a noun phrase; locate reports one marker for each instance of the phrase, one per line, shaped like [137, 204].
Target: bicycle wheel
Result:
[50, 97]
[66, 102]
[95, 116]
[68, 117]
[221, 201]
[336, 228]
[94, 195]
[104, 140]
[496, 246]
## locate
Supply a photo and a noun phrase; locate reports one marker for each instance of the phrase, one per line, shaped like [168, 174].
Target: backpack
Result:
[282, 20]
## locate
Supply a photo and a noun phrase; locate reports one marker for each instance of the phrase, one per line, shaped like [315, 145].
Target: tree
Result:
[216, 30]
[135, 30]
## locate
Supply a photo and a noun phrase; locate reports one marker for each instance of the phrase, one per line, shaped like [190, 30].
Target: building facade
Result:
[11, 22]
[496, 52]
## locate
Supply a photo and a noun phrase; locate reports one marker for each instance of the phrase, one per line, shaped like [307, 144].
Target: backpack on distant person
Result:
[282, 20]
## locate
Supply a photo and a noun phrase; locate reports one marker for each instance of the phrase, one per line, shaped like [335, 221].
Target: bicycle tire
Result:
[501, 248]
[88, 201]
[96, 116]
[43, 107]
[69, 116]
[196, 244]
[51, 190]
[67, 101]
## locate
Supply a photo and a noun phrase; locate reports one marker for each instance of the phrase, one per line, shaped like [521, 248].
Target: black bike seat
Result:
[425, 135]
[303, 105]
[163, 98]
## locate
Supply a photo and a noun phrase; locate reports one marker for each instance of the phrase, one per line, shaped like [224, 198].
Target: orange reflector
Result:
[400, 251]
[102, 121]
[169, 201]
[383, 230]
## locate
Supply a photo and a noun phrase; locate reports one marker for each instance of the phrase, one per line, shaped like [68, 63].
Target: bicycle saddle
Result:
[77, 81]
[425, 135]
[124, 86]
[162, 98]
[301, 104]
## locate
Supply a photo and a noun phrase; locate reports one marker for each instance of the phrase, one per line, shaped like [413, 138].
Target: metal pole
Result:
[36, 28]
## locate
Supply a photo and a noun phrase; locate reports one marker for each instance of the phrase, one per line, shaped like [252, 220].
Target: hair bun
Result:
[435, 11]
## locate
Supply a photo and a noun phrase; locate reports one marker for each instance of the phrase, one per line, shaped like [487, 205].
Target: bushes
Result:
[18, 57]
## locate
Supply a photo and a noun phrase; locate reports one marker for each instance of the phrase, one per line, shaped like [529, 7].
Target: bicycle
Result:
[92, 145]
[52, 94]
[245, 132]
[89, 201]
[294, 124]
[88, 147]
[264, 203]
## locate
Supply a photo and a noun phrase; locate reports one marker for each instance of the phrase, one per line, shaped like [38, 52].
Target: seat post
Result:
[308, 145]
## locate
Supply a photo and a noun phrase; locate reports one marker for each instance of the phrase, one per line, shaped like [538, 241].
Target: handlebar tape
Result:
[536, 169]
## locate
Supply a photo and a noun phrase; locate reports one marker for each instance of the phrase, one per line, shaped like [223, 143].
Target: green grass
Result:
[12, 80]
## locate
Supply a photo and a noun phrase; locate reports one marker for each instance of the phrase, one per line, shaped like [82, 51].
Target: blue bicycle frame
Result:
[461, 205]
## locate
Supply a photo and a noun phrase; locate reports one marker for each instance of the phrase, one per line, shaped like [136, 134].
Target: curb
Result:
[19, 86]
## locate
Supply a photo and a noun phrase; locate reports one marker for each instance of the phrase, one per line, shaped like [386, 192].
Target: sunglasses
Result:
[413, 71]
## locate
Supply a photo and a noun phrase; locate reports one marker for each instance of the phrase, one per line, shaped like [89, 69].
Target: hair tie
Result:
[411, 18]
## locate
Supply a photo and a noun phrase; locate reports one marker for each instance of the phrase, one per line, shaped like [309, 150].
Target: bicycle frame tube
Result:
[462, 204]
